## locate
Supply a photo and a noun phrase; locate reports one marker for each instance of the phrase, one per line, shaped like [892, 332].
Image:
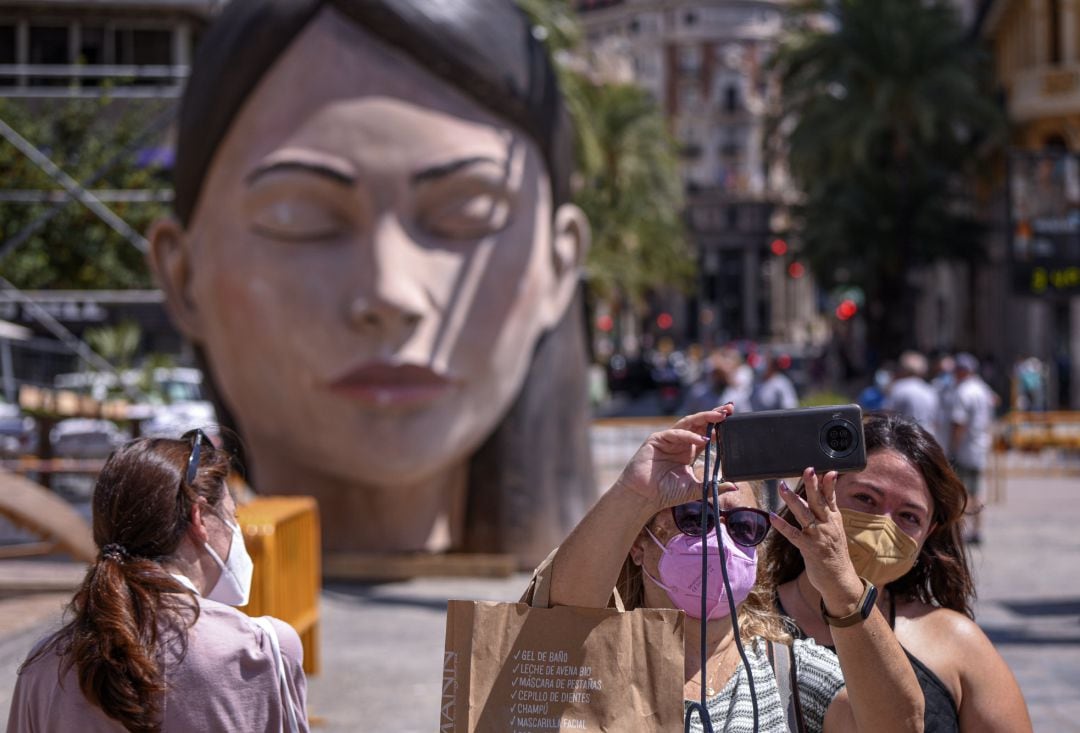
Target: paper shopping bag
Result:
[515, 668]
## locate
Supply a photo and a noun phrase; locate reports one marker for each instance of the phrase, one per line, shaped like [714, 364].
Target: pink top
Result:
[227, 681]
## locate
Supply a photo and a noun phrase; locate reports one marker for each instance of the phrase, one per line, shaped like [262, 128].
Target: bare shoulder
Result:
[921, 628]
[963, 657]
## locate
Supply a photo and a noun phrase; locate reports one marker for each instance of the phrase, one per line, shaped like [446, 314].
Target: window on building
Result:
[690, 18]
[143, 47]
[634, 28]
[7, 51]
[689, 60]
[731, 99]
[689, 97]
[48, 45]
[92, 45]
[691, 150]
[7, 44]
[92, 51]
[1053, 27]
[1055, 143]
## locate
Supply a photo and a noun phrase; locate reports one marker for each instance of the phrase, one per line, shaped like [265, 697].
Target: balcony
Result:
[1045, 91]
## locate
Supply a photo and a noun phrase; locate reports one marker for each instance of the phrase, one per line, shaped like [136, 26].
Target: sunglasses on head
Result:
[746, 526]
[198, 439]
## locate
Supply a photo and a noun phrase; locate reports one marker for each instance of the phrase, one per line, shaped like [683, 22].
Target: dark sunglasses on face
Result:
[746, 526]
[198, 439]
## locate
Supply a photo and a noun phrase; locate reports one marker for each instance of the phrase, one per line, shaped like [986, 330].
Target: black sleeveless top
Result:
[940, 714]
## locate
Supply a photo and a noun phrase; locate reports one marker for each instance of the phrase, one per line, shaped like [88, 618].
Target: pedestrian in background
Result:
[972, 417]
[911, 395]
[776, 390]
[872, 396]
[154, 643]
[707, 391]
[1029, 376]
[943, 381]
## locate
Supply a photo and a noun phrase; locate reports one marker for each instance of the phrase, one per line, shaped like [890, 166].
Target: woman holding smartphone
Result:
[644, 538]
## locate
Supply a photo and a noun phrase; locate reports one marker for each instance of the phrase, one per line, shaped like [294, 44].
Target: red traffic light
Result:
[778, 247]
[664, 321]
[796, 270]
[846, 309]
[605, 323]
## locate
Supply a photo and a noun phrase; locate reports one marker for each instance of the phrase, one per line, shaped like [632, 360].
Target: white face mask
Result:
[233, 587]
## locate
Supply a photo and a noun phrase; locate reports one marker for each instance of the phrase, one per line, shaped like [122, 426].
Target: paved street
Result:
[382, 644]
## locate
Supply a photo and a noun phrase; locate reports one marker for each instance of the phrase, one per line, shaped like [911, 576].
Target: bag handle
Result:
[290, 724]
[538, 594]
[782, 657]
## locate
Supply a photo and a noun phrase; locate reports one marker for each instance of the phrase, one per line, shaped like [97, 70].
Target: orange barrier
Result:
[282, 536]
[1033, 431]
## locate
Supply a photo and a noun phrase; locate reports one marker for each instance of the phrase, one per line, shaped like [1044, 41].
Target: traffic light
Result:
[796, 270]
[664, 321]
[778, 247]
[846, 309]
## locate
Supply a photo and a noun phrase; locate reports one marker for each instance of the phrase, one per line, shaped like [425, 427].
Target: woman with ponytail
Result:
[153, 642]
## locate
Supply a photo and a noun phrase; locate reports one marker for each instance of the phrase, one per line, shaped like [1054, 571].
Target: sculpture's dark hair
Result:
[485, 48]
[129, 607]
[941, 575]
[532, 479]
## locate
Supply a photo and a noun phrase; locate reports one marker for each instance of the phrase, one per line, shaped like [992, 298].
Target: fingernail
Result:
[812, 471]
[784, 486]
[774, 515]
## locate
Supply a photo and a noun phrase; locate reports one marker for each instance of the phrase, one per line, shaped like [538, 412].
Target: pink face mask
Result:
[680, 573]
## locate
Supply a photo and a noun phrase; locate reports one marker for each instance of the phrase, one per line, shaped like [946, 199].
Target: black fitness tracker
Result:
[862, 609]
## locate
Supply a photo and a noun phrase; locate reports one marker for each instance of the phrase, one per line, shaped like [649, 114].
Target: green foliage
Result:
[632, 194]
[116, 344]
[630, 188]
[886, 116]
[822, 398]
[76, 250]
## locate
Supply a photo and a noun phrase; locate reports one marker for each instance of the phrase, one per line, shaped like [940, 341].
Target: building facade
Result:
[704, 62]
[50, 49]
[1035, 240]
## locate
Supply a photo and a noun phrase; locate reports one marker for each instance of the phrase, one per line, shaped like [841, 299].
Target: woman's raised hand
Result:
[660, 471]
[821, 539]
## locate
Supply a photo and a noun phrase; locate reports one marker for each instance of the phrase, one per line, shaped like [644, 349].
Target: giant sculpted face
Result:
[371, 261]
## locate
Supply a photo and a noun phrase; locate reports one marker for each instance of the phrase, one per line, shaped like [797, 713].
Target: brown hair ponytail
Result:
[129, 607]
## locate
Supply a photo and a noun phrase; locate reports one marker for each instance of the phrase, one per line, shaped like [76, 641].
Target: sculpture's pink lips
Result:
[393, 385]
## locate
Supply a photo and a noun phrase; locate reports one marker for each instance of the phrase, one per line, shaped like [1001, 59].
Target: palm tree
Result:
[632, 194]
[627, 162]
[884, 116]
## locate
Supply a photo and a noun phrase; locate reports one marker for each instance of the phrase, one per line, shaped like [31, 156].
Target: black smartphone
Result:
[782, 443]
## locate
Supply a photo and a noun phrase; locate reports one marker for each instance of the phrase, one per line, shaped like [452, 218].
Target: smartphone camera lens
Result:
[839, 438]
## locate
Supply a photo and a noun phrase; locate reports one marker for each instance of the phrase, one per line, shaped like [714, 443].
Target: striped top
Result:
[819, 676]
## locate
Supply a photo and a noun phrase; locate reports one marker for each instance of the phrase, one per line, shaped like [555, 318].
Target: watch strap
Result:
[862, 608]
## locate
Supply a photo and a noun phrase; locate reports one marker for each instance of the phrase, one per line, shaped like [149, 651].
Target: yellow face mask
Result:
[880, 551]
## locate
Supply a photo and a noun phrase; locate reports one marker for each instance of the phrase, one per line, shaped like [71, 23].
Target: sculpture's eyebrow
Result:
[445, 169]
[337, 173]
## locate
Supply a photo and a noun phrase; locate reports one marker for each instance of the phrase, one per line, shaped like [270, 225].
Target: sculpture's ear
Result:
[170, 262]
[570, 236]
